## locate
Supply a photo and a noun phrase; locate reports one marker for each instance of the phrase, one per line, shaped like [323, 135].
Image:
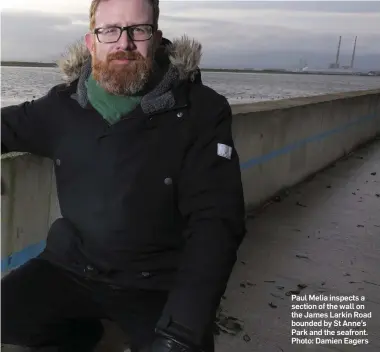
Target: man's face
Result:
[122, 67]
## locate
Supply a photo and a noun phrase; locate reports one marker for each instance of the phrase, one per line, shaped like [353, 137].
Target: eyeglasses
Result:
[112, 34]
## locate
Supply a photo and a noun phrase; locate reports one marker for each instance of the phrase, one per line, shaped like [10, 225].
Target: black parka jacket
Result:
[154, 201]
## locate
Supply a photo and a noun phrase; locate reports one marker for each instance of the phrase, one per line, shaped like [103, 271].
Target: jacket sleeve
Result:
[25, 127]
[212, 203]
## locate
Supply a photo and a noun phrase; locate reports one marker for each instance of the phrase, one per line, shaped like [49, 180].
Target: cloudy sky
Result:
[233, 33]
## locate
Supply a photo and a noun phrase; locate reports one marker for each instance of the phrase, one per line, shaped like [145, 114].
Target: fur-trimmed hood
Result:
[178, 61]
[183, 53]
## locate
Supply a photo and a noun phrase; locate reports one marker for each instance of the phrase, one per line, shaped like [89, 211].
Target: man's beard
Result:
[122, 79]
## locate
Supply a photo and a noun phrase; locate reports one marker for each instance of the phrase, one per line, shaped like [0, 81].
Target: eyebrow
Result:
[108, 25]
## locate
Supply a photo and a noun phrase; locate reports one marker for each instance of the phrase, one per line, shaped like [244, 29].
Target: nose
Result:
[125, 42]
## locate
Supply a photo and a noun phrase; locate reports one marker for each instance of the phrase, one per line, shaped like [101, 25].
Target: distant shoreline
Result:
[276, 71]
[28, 64]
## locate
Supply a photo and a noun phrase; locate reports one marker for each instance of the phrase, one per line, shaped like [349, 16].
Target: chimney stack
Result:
[337, 53]
[353, 54]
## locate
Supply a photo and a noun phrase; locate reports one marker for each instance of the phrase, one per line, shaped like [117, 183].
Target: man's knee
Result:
[70, 336]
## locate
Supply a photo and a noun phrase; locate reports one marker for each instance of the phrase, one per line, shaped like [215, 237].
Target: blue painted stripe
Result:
[289, 148]
[18, 258]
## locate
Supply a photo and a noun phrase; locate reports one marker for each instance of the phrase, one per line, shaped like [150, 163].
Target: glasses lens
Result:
[109, 34]
[140, 32]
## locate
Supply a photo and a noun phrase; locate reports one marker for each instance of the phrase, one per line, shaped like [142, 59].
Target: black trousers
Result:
[43, 305]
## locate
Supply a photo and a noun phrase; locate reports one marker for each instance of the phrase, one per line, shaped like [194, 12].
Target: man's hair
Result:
[95, 4]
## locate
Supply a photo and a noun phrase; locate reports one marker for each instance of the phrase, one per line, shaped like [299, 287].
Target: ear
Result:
[90, 42]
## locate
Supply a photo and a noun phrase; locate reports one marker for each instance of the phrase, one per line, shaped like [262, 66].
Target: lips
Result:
[122, 61]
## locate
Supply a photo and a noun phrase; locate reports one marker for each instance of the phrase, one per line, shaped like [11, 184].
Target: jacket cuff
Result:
[176, 335]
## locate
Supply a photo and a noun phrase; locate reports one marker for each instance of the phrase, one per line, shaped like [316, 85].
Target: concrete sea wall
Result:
[280, 143]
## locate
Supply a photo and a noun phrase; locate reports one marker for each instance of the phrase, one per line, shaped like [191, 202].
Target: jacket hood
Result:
[183, 54]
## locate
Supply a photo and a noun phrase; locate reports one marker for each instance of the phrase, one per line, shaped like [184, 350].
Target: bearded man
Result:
[149, 188]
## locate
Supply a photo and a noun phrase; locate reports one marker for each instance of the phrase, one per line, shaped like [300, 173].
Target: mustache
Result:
[125, 55]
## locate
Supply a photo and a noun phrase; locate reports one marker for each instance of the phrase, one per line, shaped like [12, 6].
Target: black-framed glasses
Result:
[112, 34]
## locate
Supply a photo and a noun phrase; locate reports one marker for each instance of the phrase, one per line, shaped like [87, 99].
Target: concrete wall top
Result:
[242, 109]
[12, 155]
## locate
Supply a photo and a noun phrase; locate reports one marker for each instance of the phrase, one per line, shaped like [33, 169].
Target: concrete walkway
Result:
[326, 235]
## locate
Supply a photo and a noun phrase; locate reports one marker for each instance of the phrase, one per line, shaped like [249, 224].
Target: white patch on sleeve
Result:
[224, 151]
